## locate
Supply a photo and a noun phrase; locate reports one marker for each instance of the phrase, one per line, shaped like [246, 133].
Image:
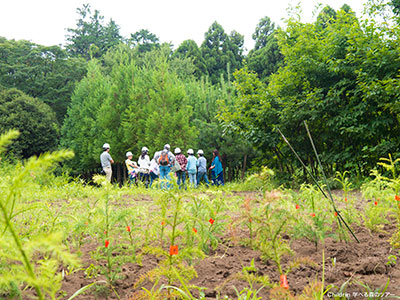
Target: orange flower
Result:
[313, 215]
[128, 228]
[376, 203]
[173, 250]
[345, 199]
[397, 198]
[86, 223]
[250, 220]
[194, 230]
[335, 213]
[106, 243]
[162, 223]
[284, 283]
[297, 206]
[211, 221]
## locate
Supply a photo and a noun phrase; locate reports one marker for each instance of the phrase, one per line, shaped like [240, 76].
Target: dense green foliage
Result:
[46, 73]
[341, 75]
[91, 37]
[131, 102]
[33, 118]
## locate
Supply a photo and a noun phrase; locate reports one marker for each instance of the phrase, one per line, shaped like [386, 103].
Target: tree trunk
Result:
[124, 171]
[244, 166]
[119, 174]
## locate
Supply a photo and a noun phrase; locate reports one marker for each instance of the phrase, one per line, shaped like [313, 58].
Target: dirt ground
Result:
[366, 261]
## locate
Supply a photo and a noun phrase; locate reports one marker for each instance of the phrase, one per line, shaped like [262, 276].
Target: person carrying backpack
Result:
[106, 161]
[202, 168]
[191, 167]
[165, 160]
[182, 160]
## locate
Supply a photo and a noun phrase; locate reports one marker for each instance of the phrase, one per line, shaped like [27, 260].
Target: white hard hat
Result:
[167, 146]
[190, 151]
[144, 149]
[106, 146]
[200, 152]
[129, 153]
[177, 150]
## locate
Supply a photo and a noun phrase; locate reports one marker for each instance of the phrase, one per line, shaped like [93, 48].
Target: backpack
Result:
[163, 160]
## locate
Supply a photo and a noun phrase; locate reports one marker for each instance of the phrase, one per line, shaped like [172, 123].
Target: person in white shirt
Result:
[106, 161]
[144, 166]
[154, 171]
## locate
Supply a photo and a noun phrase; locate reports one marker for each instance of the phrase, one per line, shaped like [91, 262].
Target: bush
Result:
[34, 119]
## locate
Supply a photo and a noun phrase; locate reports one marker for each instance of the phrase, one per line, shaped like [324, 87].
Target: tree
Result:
[264, 30]
[145, 40]
[91, 37]
[34, 119]
[326, 16]
[334, 78]
[46, 73]
[188, 49]
[131, 101]
[266, 58]
[221, 52]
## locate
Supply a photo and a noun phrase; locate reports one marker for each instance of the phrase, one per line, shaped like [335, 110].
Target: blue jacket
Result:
[191, 164]
[218, 166]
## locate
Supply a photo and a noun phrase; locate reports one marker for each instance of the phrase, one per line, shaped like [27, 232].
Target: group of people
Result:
[165, 163]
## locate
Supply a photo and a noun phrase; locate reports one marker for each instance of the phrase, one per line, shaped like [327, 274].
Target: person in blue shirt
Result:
[191, 167]
[217, 172]
[202, 168]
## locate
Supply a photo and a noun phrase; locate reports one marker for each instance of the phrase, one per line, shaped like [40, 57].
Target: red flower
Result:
[313, 215]
[194, 230]
[173, 250]
[376, 203]
[397, 198]
[297, 206]
[284, 283]
[211, 221]
[128, 228]
[162, 223]
[335, 213]
[250, 220]
[106, 243]
[345, 199]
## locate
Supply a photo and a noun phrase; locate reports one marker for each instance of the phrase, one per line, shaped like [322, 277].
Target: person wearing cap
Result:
[202, 168]
[106, 161]
[182, 160]
[144, 166]
[132, 167]
[191, 167]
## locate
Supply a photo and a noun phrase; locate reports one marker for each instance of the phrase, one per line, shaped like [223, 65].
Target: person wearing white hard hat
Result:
[191, 167]
[165, 160]
[144, 166]
[202, 168]
[132, 167]
[106, 161]
[182, 161]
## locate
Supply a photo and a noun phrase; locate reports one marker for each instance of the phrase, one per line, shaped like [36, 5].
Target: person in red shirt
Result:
[182, 160]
